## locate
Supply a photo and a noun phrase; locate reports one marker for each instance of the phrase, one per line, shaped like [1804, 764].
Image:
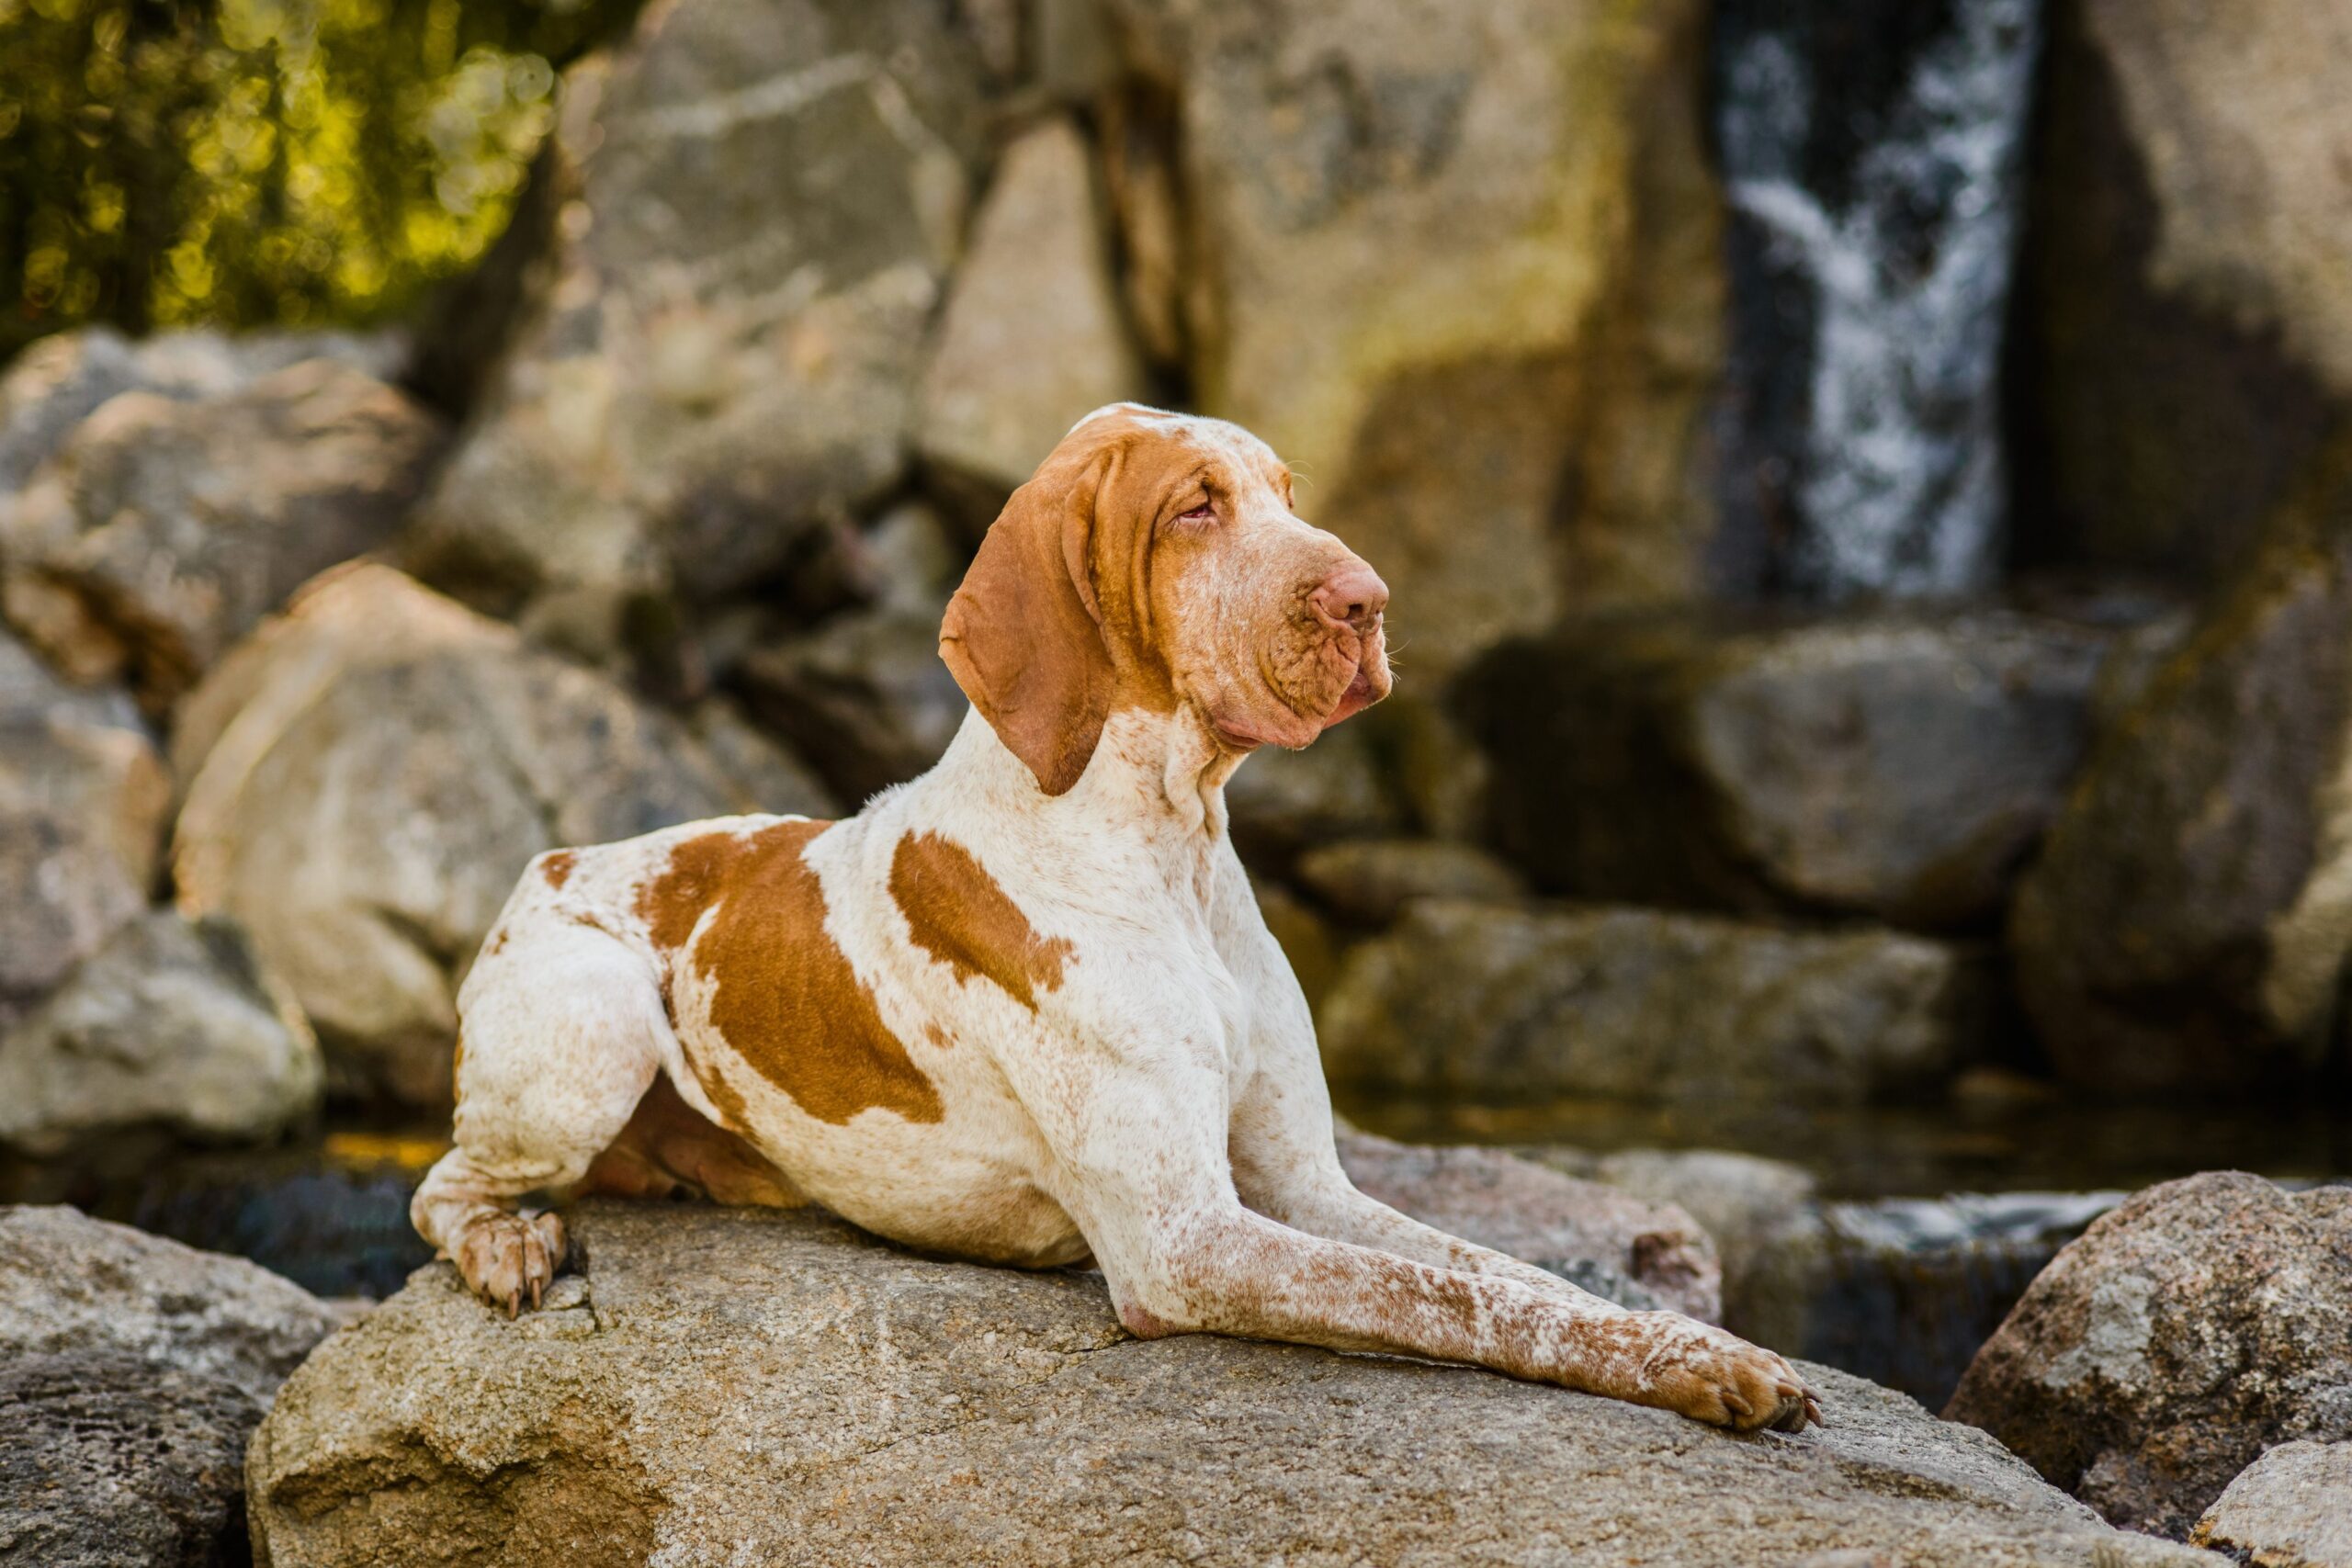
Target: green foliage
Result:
[242, 162]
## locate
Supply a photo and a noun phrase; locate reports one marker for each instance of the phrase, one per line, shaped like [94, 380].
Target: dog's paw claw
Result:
[506, 1258]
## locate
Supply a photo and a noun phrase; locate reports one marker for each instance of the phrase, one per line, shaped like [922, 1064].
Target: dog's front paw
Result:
[508, 1259]
[1721, 1379]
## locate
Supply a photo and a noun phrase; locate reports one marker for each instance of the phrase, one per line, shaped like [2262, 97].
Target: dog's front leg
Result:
[1142, 1150]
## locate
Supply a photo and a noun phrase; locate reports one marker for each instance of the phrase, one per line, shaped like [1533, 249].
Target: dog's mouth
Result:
[1288, 725]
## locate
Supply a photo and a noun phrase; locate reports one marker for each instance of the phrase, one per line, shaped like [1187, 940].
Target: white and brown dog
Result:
[1023, 1008]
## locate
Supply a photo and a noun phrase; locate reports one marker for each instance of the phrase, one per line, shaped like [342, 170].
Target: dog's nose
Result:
[1352, 595]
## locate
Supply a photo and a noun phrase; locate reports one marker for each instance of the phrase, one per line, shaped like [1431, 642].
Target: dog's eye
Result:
[1204, 512]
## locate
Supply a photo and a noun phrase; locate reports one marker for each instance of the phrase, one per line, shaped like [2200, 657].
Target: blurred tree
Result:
[242, 162]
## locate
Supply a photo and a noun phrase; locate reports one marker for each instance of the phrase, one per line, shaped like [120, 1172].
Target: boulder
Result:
[166, 524]
[1032, 337]
[174, 1024]
[83, 797]
[365, 777]
[2183, 341]
[864, 695]
[1368, 881]
[1501, 1003]
[133, 1370]
[1638, 1254]
[1897, 764]
[1280, 802]
[709, 369]
[2287, 1509]
[2190, 914]
[2201, 1322]
[884, 1408]
[1440, 259]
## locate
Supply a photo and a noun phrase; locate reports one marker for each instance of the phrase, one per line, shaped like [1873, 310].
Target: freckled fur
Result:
[1023, 1008]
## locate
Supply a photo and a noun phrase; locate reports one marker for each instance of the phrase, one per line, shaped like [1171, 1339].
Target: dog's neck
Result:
[1165, 773]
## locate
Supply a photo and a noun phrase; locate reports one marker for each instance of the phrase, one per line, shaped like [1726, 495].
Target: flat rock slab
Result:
[2290, 1509]
[739, 1386]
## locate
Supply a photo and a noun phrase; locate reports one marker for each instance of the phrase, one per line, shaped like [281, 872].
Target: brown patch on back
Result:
[961, 916]
[557, 867]
[786, 999]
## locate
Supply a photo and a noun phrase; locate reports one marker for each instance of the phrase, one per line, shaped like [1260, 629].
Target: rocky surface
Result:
[174, 1024]
[701, 379]
[366, 777]
[887, 1408]
[2192, 912]
[2186, 1331]
[1368, 881]
[166, 525]
[2287, 1509]
[1280, 802]
[1508, 1002]
[1033, 336]
[133, 1370]
[1426, 256]
[1635, 1252]
[864, 694]
[1898, 765]
[83, 797]
[2185, 330]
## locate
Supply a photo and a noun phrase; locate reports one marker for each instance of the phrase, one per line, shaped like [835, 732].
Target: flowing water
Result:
[1871, 152]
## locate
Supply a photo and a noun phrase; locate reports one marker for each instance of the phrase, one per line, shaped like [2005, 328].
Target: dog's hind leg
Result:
[561, 1030]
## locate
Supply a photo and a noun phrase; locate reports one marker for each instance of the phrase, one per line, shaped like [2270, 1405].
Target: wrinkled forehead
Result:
[1163, 446]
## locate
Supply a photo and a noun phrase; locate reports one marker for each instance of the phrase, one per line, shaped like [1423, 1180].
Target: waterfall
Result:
[1871, 152]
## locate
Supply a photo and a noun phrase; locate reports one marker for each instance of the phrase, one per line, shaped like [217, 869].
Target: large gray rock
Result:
[368, 774]
[1638, 1254]
[82, 798]
[1280, 802]
[1032, 337]
[167, 525]
[761, 200]
[884, 1408]
[173, 1024]
[133, 1370]
[2189, 1330]
[1511, 1002]
[1441, 258]
[864, 695]
[1368, 881]
[2190, 916]
[2290, 1509]
[1897, 764]
[2184, 340]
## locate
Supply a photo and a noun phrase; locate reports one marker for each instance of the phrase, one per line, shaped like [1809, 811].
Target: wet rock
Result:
[1896, 764]
[2186, 325]
[1498, 1003]
[2285, 1509]
[1032, 337]
[368, 774]
[133, 1370]
[1431, 256]
[702, 377]
[1280, 802]
[1369, 880]
[865, 1386]
[2189, 916]
[167, 525]
[83, 796]
[173, 1024]
[2186, 1331]
[1636, 1253]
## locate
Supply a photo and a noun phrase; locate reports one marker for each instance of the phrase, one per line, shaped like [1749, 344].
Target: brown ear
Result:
[1023, 634]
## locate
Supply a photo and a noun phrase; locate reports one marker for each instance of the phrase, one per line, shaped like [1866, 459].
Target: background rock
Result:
[898, 1409]
[2203, 1321]
[1898, 765]
[2285, 1509]
[83, 796]
[2189, 917]
[1638, 1254]
[368, 774]
[173, 1024]
[1507, 1003]
[1280, 802]
[1032, 337]
[133, 1370]
[865, 694]
[165, 526]
[1370, 880]
[711, 370]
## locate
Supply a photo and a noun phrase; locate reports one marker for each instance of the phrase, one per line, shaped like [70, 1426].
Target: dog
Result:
[1023, 1009]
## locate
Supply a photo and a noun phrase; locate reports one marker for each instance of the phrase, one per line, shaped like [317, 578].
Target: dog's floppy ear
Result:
[1023, 634]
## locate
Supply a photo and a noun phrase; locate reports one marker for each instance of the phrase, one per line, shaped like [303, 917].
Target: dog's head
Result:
[1154, 562]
